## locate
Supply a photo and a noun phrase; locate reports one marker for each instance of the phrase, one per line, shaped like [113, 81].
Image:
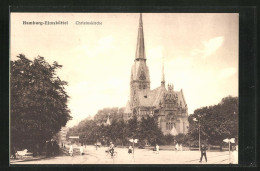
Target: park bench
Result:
[194, 148]
[23, 154]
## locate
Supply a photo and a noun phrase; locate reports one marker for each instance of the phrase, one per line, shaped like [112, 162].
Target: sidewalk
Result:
[31, 158]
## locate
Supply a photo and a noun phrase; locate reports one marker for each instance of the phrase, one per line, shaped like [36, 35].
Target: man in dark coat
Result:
[203, 152]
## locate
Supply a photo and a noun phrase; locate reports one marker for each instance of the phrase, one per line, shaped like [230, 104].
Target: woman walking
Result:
[71, 150]
[157, 149]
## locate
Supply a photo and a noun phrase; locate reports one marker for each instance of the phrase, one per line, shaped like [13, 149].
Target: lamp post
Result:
[85, 141]
[133, 141]
[195, 119]
[199, 134]
[96, 140]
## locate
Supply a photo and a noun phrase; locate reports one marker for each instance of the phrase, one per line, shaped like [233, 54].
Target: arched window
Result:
[170, 121]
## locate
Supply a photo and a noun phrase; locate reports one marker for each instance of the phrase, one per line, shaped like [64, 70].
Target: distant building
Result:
[90, 117]
[108, 121]
[168, 105]
[62, 135]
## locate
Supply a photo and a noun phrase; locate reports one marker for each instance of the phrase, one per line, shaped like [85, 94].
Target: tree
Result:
[115, 114]
[169, 139]
[216, 122]
[38, 101]
[122, 131]
[149, 130]
[181, 139]
[133, 128]
[86, 130]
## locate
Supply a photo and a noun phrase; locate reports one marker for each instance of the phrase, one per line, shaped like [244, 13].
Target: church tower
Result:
[140, 78]
[163, 77]
[163, 103]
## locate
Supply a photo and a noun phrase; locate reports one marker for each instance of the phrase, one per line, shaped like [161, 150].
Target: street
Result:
[141, 156]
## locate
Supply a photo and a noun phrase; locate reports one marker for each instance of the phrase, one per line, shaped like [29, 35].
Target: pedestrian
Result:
[235, 156]
[130, 149]
[180, 147]
[81, 150]
[71, 150]
[52, 148]
[157, 149]
[203, 152]
[177, 147]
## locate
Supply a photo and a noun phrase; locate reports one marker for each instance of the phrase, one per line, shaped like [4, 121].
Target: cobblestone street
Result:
[141, 156]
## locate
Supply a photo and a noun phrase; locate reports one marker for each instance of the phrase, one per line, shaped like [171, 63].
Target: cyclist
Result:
[111, 148]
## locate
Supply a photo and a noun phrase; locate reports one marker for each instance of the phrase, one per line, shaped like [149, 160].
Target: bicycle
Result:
[112, 154]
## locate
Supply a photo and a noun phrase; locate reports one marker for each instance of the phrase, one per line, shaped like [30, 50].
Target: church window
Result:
[169, 125]
[142, 76]
[169, 121]
[144, 86]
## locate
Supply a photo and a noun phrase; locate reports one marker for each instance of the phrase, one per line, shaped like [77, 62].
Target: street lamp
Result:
[195, 119]
[96, 140]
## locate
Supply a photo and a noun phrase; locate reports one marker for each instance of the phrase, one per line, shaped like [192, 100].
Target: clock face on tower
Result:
[142, 76]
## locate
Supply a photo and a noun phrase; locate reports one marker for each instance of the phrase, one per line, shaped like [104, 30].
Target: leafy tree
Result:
[87, 130]
[216, 122]
[91, 131]
[38, 101]
[133, 128]
[169, 139]
[115, 114]
[117, 132]
[149, 130]
[181, 139]
[122, 131]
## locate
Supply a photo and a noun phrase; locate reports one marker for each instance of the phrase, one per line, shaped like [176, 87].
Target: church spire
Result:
[163, 78]
[108, 120]
[140, 50]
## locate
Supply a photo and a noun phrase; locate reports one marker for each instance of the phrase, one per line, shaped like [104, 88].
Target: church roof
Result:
[159, 95]
[146, 98]
[181, 99]
[151, 98]
[154, 97]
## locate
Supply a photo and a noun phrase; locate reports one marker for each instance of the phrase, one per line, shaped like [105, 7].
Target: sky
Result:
[199, 50]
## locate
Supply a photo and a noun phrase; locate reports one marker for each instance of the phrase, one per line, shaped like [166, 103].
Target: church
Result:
[163, 102]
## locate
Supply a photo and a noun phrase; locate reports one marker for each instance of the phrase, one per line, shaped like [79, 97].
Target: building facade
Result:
[164, 103]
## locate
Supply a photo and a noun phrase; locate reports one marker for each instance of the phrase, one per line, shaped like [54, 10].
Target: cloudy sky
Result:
[200, 53]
